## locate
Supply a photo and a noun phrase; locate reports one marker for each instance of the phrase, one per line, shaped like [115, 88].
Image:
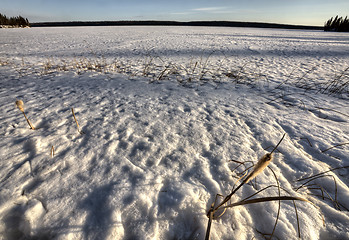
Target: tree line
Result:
[338, 24]
[14, 21]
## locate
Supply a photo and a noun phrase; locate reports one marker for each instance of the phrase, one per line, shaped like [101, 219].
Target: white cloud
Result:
[209, 9]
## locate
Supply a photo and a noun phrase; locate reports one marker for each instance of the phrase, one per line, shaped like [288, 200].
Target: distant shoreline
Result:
[174, 23]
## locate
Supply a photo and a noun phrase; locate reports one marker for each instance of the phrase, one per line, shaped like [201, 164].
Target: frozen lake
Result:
[168, 117]
[278, 55]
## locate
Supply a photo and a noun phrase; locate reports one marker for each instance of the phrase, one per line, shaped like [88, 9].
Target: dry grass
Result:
[4, 62]
[199, 70]
[335, 146]
[52, 152]
[316, 189]
[248, 74]
[339, 84]
[76, 121]
[20, 106]
[262, 163]
[218, 209]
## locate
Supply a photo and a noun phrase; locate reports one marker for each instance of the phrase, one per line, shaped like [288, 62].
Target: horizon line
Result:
[178, 22]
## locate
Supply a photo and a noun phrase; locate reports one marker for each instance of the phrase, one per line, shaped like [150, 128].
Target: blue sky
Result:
[305, 12]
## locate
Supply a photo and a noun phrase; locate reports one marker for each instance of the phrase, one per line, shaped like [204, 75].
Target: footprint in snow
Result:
[23, 220]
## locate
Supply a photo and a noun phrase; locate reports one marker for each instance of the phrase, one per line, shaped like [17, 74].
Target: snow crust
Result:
[153, 156]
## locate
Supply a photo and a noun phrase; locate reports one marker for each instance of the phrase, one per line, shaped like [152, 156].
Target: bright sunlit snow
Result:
[165, 116]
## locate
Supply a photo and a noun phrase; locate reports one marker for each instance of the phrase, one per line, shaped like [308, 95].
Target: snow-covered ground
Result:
[166, 114]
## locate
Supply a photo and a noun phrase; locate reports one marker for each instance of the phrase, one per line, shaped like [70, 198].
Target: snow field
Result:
[153, 156]
[308, 59]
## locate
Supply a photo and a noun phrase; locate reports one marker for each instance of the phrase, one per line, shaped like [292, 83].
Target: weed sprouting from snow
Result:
[316, 189]
[52, 152]
[339, 84]
[217, 210]
[262, 163]
[248, 74]
[20, 106]
[76, 121]
[4, 62]
[200, 70]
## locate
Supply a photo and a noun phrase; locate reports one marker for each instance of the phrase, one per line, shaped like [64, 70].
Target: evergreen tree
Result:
[14, 21]
[337, 24]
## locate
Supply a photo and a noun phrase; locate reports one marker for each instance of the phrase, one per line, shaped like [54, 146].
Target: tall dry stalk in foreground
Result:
[20, 106]
[77, 124]
[262, 163]
[52, 152]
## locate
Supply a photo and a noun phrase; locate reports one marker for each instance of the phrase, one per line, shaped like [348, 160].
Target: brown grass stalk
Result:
[338, 145]
[77, 124]
[258, 168]
[20, 106]
[266, 199]
[52, 151]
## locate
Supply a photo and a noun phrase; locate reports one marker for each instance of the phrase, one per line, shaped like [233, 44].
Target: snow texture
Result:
[150, 157]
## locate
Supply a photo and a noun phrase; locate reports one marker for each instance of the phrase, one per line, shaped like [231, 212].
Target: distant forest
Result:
[174, 23]
[337, 24]
[13, 21]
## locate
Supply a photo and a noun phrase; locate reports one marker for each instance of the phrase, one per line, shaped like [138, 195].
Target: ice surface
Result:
[153, 156]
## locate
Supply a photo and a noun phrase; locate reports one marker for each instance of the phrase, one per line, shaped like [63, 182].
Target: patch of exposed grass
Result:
[198, 70]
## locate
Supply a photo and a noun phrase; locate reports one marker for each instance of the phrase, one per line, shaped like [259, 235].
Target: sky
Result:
[301, 12]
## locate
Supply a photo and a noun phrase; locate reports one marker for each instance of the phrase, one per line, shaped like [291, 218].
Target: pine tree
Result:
[14, 21]
[337, 24]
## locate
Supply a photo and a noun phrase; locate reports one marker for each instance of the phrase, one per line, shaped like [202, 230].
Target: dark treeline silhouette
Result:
[337, 24]
[174, 23]
[14, 21]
